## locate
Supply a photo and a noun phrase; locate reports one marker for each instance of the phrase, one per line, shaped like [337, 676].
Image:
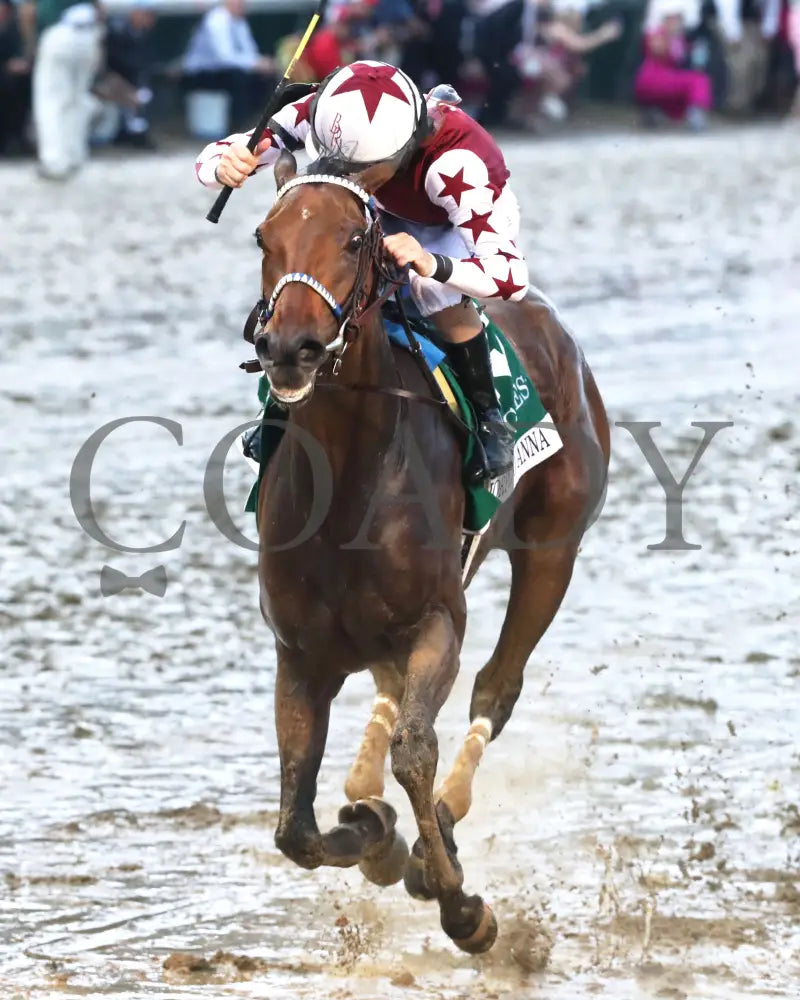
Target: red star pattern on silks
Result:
[454, 186]
[507, 255]
[474, 260]
[372, 82]
[478, 224]
[505, 287]
[303, 111]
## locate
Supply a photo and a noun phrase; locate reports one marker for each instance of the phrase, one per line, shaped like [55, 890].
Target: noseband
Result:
[359, 303]
[350, 314]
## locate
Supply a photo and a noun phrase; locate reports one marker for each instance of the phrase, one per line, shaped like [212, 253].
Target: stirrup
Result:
[250, 446]
[476, 472]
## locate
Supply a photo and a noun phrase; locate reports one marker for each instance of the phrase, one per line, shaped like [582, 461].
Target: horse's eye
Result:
[356, 242]
[259, 241]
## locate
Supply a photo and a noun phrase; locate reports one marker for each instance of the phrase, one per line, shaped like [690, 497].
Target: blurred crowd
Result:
[71, 76]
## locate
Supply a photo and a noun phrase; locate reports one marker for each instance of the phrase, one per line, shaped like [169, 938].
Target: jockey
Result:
[448, 210]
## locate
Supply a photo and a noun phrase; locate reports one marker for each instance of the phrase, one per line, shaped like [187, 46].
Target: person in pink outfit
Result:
[661, 81]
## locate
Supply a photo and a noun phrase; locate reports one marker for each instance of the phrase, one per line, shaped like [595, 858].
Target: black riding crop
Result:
[272, 106]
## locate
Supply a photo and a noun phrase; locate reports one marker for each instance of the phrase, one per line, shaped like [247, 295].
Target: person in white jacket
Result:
[223, 55]
[68, 56]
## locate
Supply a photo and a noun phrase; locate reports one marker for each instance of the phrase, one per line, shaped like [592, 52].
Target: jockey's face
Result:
[317, 231]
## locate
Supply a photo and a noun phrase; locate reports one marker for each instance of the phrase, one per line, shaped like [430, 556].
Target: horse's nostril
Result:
[261, 345]
[310, 351]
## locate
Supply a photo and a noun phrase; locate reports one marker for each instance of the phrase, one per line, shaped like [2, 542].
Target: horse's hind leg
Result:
[540, 578]
[302, 712]
[432, 668]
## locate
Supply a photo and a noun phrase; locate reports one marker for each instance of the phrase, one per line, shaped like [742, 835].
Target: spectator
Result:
[662, 86]
[67, 59]
[15, 82]
[437, 54]
[782, 77]
[129, 55]
[498, 31]
[223, 55]
[327, 49]
[746, 54]
[793, 28]
[550, 63]
[334, 44]
[392, 26]
[381, 28]
[706, 51]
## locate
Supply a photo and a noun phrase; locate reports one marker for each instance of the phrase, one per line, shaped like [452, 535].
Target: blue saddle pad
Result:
[433, 354]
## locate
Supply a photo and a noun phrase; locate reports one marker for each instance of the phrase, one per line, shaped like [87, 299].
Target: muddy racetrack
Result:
[636, 828]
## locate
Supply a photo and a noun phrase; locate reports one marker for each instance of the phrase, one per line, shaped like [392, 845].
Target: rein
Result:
[357, 308]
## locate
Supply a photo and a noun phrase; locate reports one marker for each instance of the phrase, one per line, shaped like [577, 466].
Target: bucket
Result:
[207, 113]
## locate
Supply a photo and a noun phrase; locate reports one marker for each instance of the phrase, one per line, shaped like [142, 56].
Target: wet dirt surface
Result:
[636, 828]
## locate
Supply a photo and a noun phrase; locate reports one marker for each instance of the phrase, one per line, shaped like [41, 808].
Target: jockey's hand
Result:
[237, 163]
[406, 250]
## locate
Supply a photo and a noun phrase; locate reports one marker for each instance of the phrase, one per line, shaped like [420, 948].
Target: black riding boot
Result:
[473, 369]
[251, 443]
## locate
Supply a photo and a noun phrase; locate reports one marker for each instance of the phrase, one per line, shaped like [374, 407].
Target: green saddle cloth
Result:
[519, 402]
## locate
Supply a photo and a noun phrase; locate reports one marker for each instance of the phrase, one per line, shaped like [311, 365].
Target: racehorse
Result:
[366, 586]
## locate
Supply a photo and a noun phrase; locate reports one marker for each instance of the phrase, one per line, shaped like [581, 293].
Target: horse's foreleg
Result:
[384, 864]
[366, 829]
[302, 713]
[432, 668]
[366, 775]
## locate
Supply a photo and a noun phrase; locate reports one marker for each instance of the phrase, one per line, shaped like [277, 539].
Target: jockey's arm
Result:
[229, 161]
[489, 226]
[494, 267]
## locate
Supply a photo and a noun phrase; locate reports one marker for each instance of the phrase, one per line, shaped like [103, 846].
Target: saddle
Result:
[536, 439]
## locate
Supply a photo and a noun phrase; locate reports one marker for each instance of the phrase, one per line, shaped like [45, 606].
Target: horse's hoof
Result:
[377, 816]
[414, 878]
[387, 864]
[484, 935]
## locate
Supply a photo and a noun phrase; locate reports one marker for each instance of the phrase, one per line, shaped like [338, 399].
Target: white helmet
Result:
[365, 113]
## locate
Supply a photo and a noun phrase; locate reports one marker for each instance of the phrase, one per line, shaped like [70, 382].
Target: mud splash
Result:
[636, 827]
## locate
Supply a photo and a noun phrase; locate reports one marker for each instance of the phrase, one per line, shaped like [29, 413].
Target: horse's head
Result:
[320, 243]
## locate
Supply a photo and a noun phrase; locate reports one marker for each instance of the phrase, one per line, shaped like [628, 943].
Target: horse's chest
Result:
[355, 604]
[352, 571]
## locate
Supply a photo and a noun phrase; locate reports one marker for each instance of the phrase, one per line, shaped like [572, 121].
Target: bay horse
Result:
[366, 589]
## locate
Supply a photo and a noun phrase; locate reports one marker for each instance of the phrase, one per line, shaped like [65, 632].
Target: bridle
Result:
[359, 303]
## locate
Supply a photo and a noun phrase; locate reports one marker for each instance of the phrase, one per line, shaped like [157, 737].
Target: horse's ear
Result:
[285, 168]
[373, 177]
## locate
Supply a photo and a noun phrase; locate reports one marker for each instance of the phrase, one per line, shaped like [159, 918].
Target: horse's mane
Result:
[330, 165]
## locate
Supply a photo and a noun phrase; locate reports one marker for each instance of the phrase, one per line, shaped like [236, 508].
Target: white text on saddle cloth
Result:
[530, 449]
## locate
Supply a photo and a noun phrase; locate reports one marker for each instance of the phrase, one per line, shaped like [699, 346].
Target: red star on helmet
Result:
[372, 82]
[454, 186]
[478, 224]
[505, 287]
[303, 110]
